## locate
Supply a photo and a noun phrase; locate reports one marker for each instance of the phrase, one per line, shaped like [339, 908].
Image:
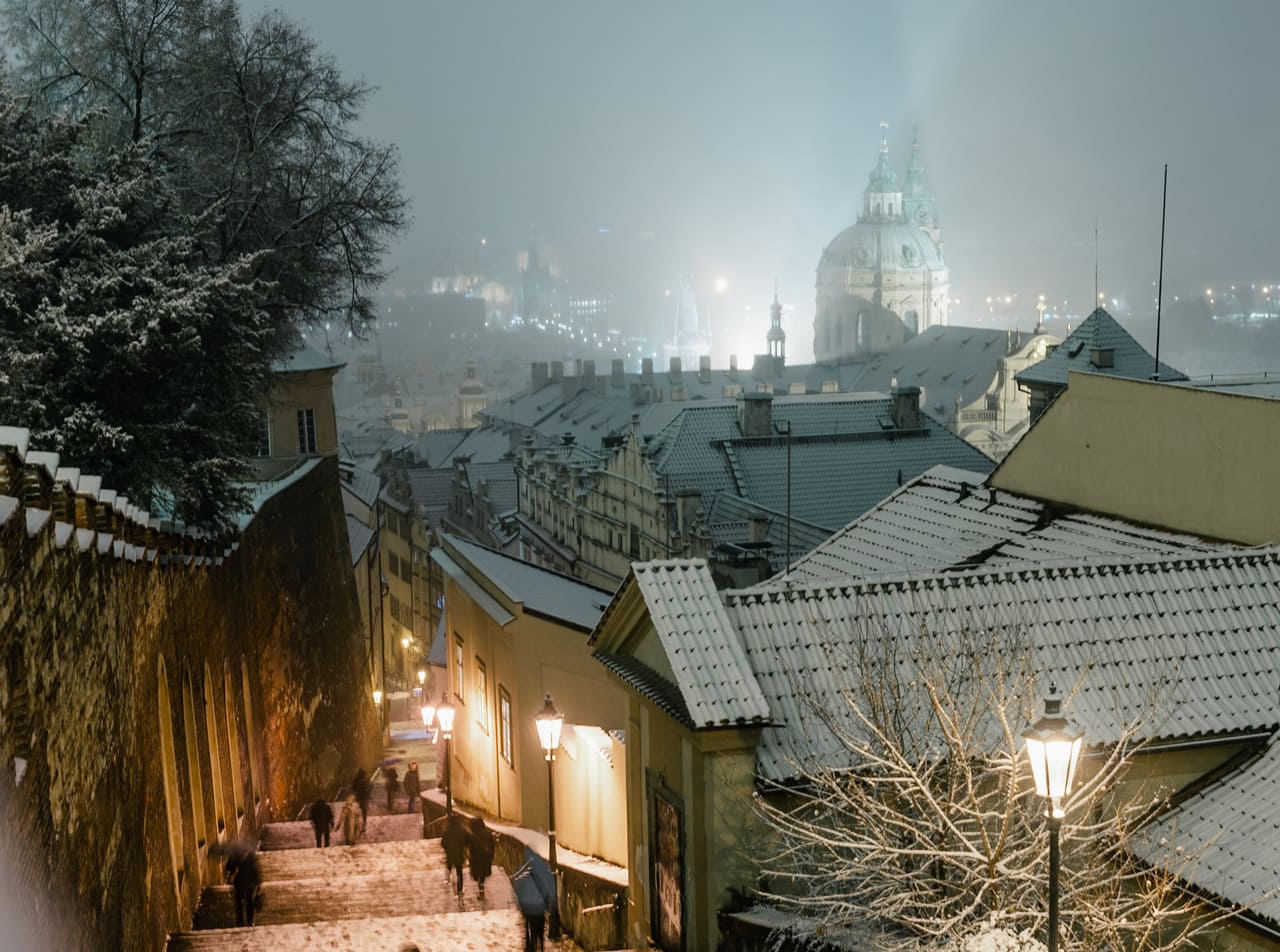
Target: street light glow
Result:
[722, 284]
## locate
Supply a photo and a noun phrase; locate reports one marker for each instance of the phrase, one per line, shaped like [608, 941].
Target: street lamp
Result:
[1053, 748]
[444, 718]
[549, 721]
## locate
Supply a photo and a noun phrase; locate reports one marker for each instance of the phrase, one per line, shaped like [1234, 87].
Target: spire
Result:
[917, 201]
[777, 337]
[883, 178]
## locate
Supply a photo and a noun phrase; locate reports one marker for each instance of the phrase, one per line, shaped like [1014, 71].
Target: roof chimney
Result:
[646, 371]
[616, 373]
[757, 527]
[755, 414]
[673, 370]
[557, 370]
[588, 373]
[733, 366]
[906, 407]
[539, 375]
[704, 369]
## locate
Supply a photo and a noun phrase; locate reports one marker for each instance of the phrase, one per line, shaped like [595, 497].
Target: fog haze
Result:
[735, 139]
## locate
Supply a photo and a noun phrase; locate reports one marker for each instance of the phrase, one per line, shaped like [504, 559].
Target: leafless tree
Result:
[911, 806]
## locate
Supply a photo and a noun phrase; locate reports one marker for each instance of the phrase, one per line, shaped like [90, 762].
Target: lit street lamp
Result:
[382, 714]
[442, 714]
[549, 721]
[1053, 748]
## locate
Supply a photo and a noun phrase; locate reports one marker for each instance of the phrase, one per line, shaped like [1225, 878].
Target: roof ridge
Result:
[454, 539]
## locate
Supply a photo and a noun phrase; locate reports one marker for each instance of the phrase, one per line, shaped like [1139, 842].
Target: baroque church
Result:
[882, 280]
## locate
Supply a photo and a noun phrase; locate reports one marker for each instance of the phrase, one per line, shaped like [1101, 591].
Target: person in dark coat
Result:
[392, 780]
[480, 846]
[535, 928]
[412, 786]
[245, 877]
[363, 790]
[454, 843]
[321, 815]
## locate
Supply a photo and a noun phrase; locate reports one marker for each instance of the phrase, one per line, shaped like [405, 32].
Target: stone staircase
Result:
[388, 891]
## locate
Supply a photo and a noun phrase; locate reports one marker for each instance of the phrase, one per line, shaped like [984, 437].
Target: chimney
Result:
[733, 366]
[616, 374]
[646, 371]
[557, 370]
[673, 370]
[688, 504]
[757, 527]
[704, 369]
[906, 407]
[589, 374]
[755, 414]
[1102, 357]
[539, 376]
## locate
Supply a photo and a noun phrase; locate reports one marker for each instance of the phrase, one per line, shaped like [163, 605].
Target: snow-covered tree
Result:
[912, 806]
[121, 345]
[252, 123]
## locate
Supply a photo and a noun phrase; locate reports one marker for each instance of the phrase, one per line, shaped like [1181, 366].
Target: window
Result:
[504, 725]
[458, 683]
[306, 431]
[393, 561]
[264, 434]
[482, 695]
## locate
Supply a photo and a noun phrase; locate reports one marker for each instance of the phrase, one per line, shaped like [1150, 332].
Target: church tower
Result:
[777, 337]
[882, 280]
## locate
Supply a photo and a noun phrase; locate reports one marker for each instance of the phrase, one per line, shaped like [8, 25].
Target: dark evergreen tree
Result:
[121, 345]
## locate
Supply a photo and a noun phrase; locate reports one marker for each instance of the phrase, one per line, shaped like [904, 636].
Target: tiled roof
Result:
[304, 359]
[1209, 624]
[944, 362]
[648, 683]
[946, 519]
[436, 446]
[834, 438]
[431, 490]
[710, 667]
[1236, 826]
[537, 589]
[358, 538]
[729, 523]
[360, 482]
[1099, 331]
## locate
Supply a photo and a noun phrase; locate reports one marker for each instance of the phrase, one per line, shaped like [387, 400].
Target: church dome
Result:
[882, 246]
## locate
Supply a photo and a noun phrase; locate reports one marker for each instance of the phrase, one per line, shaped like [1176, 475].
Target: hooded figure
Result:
[245, 878]
[454, 842]
[363, 790]
[321, 815]
[480, 845]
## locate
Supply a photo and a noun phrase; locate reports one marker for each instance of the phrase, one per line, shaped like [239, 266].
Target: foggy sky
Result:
[740, 134]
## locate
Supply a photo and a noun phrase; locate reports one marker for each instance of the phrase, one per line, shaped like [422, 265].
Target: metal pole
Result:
[1054, 860]
[553, 924]
[448, 777]
[1164, 207]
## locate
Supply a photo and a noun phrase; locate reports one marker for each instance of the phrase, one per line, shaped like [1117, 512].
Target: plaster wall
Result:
[1161, 454]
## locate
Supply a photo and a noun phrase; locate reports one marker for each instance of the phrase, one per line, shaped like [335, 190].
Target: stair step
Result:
[382, 828]
[406, 889]
[361, 859]
[467, 931]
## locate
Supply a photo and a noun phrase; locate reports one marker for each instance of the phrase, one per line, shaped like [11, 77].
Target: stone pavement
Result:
[388, 891]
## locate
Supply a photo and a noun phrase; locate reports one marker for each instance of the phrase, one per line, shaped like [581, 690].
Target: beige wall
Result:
[1172, 456]
[526, 658]
[292, 392]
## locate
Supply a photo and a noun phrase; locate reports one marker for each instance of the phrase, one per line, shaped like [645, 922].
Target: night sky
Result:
[734, 138]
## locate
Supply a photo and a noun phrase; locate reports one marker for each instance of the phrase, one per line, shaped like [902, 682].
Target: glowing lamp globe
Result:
[549, 721]
[444, 717]
[1053, 748]
[377, 696]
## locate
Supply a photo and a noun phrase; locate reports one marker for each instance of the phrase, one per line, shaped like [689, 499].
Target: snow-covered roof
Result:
[305, 359]
[536, 589]
[947, 519]
[1236, 826]
[1207, 624]
[359, 536]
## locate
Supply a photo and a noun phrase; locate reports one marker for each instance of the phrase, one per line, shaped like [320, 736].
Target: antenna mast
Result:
[1164, 206]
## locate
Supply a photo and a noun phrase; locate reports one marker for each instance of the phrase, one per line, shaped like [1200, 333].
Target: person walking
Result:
[363, 790]
[351, 820]
[245, 877]
[454, 843]
[412, 786]
[480, 846]
[392, 781]
[321, 815]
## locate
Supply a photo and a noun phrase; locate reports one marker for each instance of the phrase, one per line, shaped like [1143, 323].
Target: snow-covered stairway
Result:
[387, 891]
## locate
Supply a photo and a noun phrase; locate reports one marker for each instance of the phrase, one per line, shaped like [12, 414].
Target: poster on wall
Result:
[668, 876]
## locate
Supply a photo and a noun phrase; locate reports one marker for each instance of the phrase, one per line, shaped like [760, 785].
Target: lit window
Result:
[458, 683]
[482, 695]
[504, 725]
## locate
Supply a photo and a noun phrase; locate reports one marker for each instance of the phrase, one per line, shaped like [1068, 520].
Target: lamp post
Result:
[422, 685]
[1053, 748]
[382, 713]
[549, 721]
[443, 715]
